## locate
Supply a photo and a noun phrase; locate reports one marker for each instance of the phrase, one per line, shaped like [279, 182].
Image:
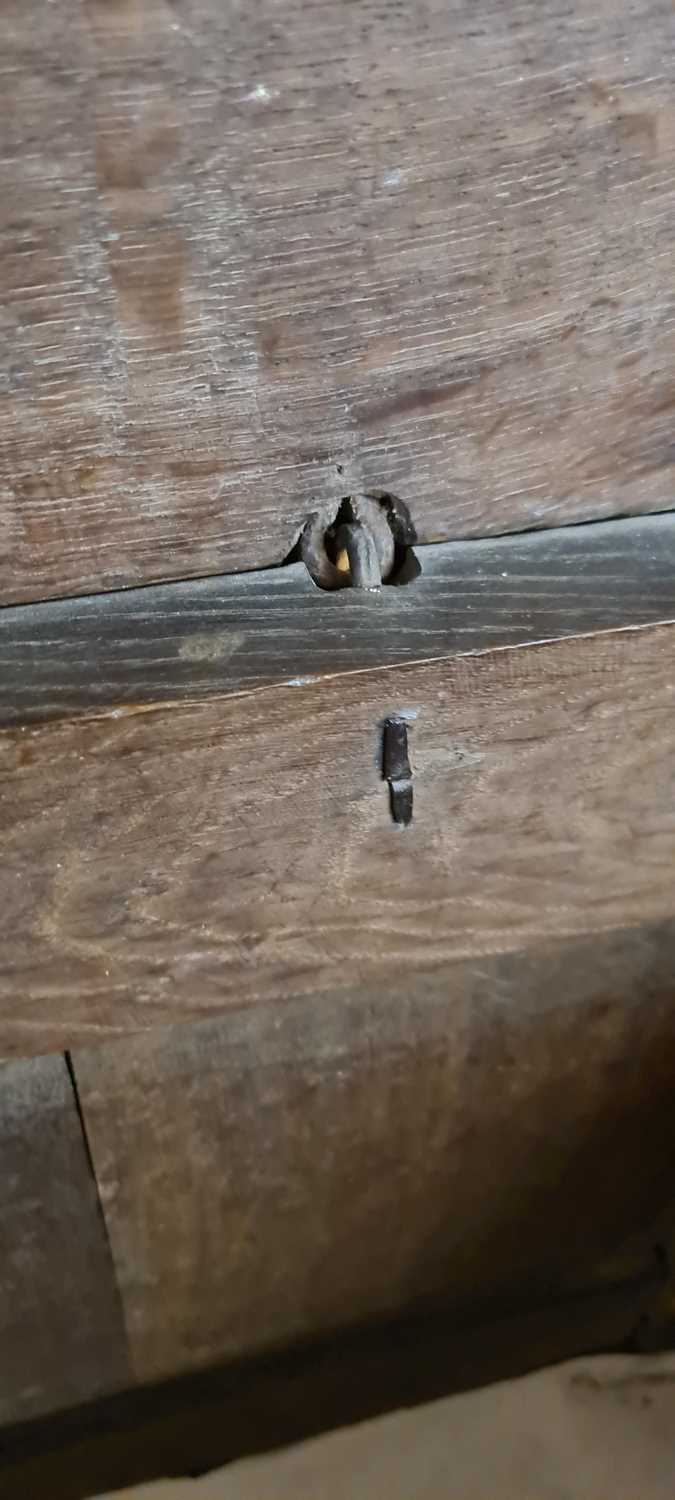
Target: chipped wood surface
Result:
[62, 1338]
[172, 862]
[254, 257]
[232, 634]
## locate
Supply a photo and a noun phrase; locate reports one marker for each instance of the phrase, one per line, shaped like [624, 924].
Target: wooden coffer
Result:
[309, 1108]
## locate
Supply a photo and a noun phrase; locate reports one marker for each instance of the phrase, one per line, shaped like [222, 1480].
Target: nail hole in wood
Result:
[362, 542]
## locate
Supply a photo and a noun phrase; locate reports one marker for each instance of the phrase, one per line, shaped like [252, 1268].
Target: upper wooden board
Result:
[255, 256]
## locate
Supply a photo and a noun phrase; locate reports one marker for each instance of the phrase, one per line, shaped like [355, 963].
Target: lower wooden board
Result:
[166, 864]
[498, 1135]
[61, 1330]
[202, 1421]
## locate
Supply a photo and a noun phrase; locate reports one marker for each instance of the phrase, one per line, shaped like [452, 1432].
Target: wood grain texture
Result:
[497, 1135]
[166, 863]
[228, 634]
[61, 1331]
[256, 256]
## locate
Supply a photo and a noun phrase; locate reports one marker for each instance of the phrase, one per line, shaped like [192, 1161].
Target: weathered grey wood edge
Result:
[234, 633]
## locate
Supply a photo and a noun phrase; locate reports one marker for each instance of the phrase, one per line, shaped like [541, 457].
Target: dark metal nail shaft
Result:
[364, 562]
[396, 769]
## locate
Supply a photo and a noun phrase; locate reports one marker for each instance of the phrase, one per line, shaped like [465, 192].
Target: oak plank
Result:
[496, 1135]
[255, 257]
[228, 634]
[62, 1338]
[168, 862]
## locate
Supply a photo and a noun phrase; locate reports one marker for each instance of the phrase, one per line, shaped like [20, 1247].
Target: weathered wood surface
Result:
[207, 1419]
[166, 863]
[61, 1332]
[498, 1134]
[226, 634]
[253, 257]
